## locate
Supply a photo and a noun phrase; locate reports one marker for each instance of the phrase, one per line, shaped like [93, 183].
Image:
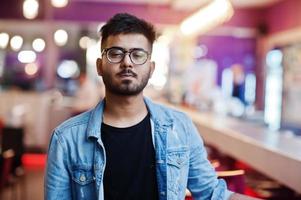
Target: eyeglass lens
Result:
[137, 56]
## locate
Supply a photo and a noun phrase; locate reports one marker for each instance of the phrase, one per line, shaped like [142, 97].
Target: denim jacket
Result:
[77, 159]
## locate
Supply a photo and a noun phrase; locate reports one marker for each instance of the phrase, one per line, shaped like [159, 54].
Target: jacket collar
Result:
[158, 113]
[158, 116]
[95, 121]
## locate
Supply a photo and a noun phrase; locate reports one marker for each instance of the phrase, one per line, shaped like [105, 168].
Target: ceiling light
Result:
[93, 52]
[84, 42]
[27, 56]
[38, 44]
[16, 42]
[4, 38]
[274, 58]
[31, 69]
[30, 9]
[68, 69]
[60, 37]
[59, 3]
[207, 18]
[200, 51]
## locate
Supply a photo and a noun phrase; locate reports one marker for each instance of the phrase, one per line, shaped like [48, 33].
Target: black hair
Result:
[124, 23]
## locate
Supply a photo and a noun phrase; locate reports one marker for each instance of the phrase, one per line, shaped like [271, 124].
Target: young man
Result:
[127, 147]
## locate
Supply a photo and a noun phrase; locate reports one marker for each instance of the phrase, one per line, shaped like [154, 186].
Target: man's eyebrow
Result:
[132, 49]
[117, 47]
[123, 49]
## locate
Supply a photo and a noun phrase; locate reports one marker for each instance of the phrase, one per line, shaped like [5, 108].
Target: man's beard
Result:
[127, 87]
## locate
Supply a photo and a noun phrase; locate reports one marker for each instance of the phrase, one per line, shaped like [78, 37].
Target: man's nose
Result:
[127, 60]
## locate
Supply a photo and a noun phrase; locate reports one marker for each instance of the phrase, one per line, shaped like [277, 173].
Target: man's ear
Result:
[152, 66]
[99, 66]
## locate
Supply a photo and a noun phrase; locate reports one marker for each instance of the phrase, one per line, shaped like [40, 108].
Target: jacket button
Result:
[82, 178]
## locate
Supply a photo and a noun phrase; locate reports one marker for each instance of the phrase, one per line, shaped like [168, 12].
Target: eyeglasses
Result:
[117, 54]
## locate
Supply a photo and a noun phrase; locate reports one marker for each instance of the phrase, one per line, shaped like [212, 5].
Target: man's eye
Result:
[138, 54]
[116, 54]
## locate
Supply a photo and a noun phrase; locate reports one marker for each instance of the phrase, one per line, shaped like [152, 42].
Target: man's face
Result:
[125, 78]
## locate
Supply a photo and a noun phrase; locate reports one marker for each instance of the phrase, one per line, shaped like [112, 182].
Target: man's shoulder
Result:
[163, 110]
[74, 122]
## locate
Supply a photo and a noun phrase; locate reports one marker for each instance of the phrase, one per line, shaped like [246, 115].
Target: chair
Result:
[12, 138]
[6, 172]
[1, 131]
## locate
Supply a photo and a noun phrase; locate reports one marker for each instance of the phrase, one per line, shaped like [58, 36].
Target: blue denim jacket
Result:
[76, 158]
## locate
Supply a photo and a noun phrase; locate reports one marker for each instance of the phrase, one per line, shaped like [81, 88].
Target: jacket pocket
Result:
[83, 183]
[177, 171]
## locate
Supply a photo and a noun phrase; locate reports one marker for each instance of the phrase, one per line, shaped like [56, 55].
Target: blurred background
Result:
[235, 60]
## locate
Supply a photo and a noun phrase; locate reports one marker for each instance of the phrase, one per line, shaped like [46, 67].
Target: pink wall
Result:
[284, 15]
[100, 12]
[279, 17]
[246, 18]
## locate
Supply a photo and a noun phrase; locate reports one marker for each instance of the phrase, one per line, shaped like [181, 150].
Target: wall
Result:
[283, 16]
[228, 50]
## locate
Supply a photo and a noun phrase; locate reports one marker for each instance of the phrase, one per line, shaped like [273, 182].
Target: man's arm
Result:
[57, 179]
[202, 180]
[236, 196]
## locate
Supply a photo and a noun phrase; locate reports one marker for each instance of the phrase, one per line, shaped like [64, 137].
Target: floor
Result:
[28, 187]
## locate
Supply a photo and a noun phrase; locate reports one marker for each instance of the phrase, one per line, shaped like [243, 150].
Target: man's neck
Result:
[124, 111]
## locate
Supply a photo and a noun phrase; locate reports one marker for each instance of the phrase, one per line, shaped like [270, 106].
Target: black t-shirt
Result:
[130, 172]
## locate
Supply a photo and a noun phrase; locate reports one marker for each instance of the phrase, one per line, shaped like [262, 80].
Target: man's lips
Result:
[127, 74]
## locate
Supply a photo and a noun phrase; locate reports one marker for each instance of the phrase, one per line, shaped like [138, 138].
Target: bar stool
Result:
[235, 179]
[7, 172]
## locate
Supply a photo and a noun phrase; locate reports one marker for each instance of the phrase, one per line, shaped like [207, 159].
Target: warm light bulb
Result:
[206, 18]
[16, 42]
[4, 38]
[30, 9]
[27, 56]
[38, 44]
[84, 42]
[60, 37]
[31, 69]
[59, 3]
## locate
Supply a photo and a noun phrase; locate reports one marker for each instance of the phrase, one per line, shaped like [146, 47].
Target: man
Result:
[128, 147]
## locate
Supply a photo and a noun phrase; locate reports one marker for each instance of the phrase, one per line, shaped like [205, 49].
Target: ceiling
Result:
[254, 3]
[193, 4]
[14, 26]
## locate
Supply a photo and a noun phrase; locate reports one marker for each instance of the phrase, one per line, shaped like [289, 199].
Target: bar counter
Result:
[272, 153]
